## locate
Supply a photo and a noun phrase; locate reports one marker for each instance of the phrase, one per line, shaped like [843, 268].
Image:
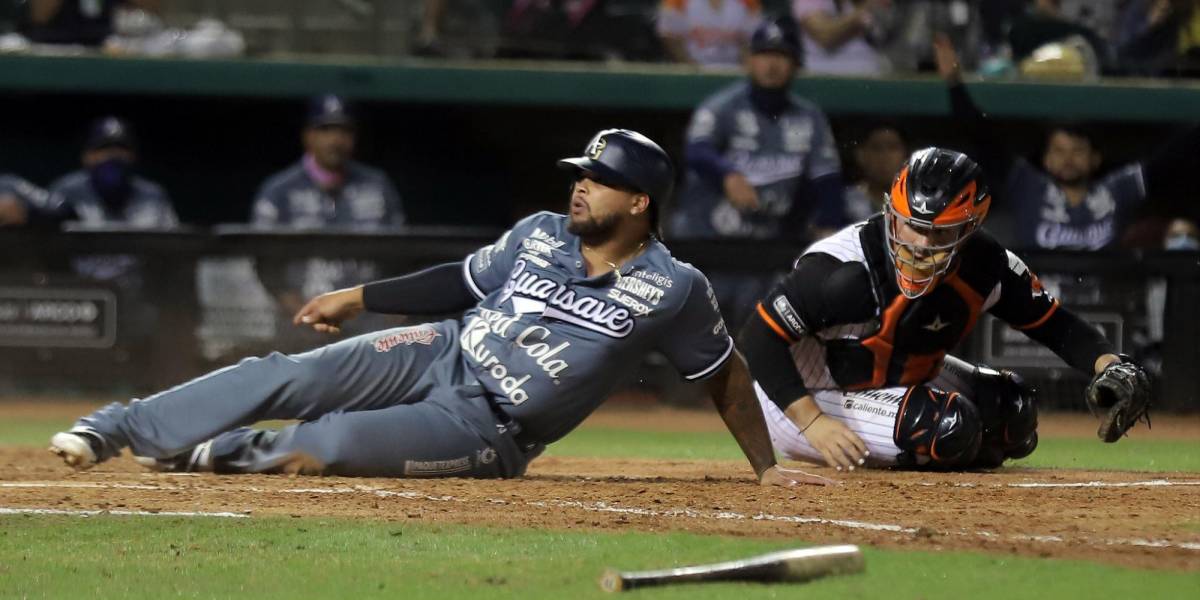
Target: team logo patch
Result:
[421, 334]
[596, 148]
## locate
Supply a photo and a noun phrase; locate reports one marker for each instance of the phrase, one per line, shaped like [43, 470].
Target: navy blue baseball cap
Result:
[329, 109]
[776, 35]
[107, 132]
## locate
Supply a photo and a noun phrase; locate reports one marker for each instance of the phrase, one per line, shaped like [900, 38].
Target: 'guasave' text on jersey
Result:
[550, 343]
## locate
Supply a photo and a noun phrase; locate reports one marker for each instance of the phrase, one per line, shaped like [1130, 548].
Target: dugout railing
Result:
[124, 313]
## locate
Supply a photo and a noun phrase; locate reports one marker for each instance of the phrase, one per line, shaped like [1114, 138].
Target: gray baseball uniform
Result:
[544, 346]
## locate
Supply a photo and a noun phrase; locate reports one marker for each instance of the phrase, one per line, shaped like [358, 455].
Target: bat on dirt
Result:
[804, 564]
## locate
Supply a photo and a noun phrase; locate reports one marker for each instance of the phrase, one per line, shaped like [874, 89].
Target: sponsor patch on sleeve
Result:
[786, 312]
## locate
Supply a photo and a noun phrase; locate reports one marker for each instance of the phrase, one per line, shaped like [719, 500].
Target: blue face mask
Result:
[112, 180]
[1181, 242]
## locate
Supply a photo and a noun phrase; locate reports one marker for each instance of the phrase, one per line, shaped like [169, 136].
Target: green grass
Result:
[158, 557]
[1128, 454]
[1131, 454]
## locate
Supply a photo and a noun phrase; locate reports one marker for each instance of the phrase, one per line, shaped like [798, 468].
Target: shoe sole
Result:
[73, 450]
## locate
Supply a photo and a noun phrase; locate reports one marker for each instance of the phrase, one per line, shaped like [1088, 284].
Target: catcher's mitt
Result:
[1120, 394]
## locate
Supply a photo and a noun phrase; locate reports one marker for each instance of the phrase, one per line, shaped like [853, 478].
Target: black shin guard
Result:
[936, 429]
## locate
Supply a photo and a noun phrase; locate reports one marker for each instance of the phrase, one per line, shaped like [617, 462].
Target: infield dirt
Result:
[1126, 518]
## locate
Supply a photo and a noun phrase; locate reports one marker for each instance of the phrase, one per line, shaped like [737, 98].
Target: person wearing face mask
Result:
[325, 190]
[1182, 236]
[761, 163]
[107, 192]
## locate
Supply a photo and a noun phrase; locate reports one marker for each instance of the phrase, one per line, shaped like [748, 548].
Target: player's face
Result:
[1070, 159]
[330, 145]
[771, 70]
[596, 209]
[880, 156]
[922, 251]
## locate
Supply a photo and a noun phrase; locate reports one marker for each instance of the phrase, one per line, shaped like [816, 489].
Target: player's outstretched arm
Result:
[734, 397]
[327, 312]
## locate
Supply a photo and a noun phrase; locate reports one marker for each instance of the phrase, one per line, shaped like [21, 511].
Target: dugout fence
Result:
[125, 313]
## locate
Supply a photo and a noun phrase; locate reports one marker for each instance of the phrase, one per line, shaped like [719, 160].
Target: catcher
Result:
[849, 350]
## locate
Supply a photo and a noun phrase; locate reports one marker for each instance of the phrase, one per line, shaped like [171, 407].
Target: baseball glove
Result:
[1120, 394]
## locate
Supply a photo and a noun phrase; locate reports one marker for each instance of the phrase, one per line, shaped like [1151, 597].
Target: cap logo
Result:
[596, 148]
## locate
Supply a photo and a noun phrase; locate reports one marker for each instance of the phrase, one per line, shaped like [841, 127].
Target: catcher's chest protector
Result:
[912, 335]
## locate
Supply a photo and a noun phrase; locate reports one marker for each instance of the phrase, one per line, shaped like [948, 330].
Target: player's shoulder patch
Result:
[845, 245]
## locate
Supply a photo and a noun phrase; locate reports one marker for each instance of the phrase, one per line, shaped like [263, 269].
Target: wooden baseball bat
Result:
[803, 564]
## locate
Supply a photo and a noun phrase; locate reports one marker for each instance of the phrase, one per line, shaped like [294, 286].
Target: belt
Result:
[526, 443]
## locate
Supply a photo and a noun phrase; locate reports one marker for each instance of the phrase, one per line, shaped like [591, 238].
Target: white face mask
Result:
[1181, 242]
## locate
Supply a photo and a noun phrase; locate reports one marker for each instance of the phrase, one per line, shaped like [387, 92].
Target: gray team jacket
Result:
[366, 199]
[148, 207]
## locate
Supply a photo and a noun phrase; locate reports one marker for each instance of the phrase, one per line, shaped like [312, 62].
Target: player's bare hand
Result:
[841, 447]
[740, 192]
[784, 477]
[327, 312]
[946, 58]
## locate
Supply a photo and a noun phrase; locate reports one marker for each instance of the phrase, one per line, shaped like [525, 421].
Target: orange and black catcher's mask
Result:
[937, 201]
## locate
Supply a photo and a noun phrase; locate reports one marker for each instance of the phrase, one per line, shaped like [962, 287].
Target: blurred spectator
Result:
[85, 22]
[326, 187]
[708, 33]
[1043, 22]
[1063, 204]
[879, 154]
[458, 28]
[18, 198]
[106, 191]
[1182, 235]
[841, 36]
[1159, 37]
[761, 164]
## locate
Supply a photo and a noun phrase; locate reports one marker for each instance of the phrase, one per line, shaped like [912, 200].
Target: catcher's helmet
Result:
[941, 197]
[628, 159]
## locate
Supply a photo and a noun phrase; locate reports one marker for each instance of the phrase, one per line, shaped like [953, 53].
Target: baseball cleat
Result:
[77, 447]
[196, 460]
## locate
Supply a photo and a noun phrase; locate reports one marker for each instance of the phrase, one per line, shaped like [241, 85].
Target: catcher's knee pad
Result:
[1009, 409]
[936, 429]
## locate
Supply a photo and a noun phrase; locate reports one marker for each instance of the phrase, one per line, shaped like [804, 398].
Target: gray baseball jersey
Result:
[546, 344]
[550, 343]
[366, 199]
[148, 207]
[775, 155]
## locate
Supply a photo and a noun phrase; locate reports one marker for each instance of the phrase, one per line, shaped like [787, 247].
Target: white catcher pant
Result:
[869, 413]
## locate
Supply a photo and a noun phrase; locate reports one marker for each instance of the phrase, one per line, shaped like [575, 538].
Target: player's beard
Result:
[594, 230]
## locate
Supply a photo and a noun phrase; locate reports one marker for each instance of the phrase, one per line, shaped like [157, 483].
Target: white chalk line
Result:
[603, 507]
[136, 513]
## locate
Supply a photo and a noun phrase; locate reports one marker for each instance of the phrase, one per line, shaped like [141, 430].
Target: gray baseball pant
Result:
[394, 403]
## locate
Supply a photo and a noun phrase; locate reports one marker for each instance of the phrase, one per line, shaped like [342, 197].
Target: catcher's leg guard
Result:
[937, 429]
[1009, 409]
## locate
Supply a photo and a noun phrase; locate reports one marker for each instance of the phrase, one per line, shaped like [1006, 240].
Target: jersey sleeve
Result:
[266, 211]
[823, 160]
[698, 344]
[1023, 301]
[705, 127]
[395, 206]
[1127, 186]
[487, 268]
[821, 291]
